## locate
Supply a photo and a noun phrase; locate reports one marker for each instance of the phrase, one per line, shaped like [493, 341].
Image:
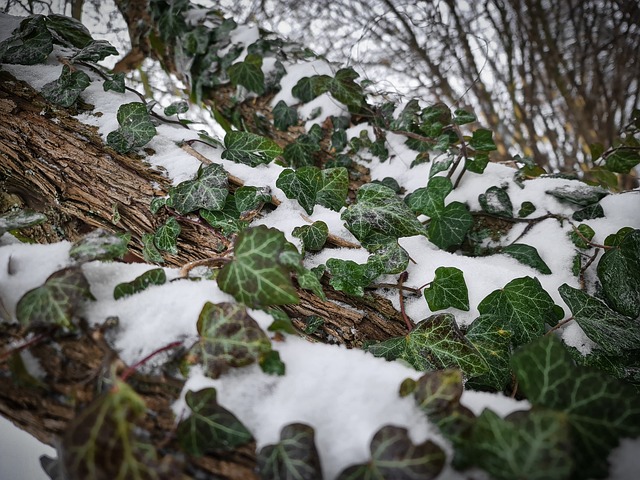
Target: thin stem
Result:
[29, 343]
[209, 262]
[132, 369]
[559, 325]
[403, 277]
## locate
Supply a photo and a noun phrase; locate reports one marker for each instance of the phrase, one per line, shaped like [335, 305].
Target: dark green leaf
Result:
[449, 227]
[313, 323]
[208, 190]
[149, 251]
[393, 257]
[294, 457]
[462, 117]
[300, 153]
[394, 456]
[524, 306]
[435, 343]
[136, 130]
[155, 276]
[482, 139]
[579, 194]
[440, 165]
[309, 88]
[115, 83]
[477, 163]
[249, 148]
[313, 236]
[284, 116]
[622, 159]
[95, 51]
[65, 90]
[582, 235]
[68, 31]
[532, 445]
[339, 140]
[311, 186]
[599, 408]
[615, 239]
[448, 289]
[20, 219]
[256, 277]
[31, 43]
[166, 237]
[526, 209]
[249, 198]
[527, 255]
[271, 364]
[55, 302]
[229, 338]
[157, 203]
[210, 427]
[248, 74]
[430, 200]
[281, 322]
[343, 88]
[496, 202]
[100, 245]
[619, 273]
[613, 332]
[493, 343]
[351, 277]
[587, 213]
[176, 108]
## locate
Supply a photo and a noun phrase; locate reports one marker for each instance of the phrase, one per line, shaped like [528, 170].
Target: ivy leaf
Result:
[580, 194]
[166, 237]
[227, 220]
[619, 273]
[155, 276]
[311, 186]
[249, 198]
[115, 83]
[351, 277]
[30, 44]
[393, 257]
[271, 364]
[256, 277]
[149, 251]
[157, 203]
[68, 31]
[430, 200]
[210, 427]
[449, 227]
[313, 236]
[622, 160]
[527, 444]
[496, 202]
[526, 209]
[343, 88]
[482, 140]
[208, 190]
[100, 245]
[102, 442]
[436, 343]
[249, 148]
[20, 219]
[448, 289]
[300, 153]
[308, 88]
[527, 255]
[588, 213]
[66, 89]
[477, 163]
[582, 234]
[136, 129]
[95, 51]
[524, 305]
[229, 338]
[379, 212]
[176, 108]
[394, 456]
[281, 321]
[614, 333]
[248, 74]
[488, 335]
[55, 302]
[293, 457]
[284, 116]
[599, 408]
[615, 239]
[462, 117]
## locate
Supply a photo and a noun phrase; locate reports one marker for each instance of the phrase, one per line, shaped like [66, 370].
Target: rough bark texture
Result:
[52, 163]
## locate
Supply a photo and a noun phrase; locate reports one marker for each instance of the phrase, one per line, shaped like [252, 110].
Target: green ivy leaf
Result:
[166, 237]
[526, 209]
[614, 333]
[300, 153]
[136, 129]
[599, 408]
[308, 88]
[95, 51]
[477, 163]
[351, 277]
[249, 148]
[394, 456]
[622, 159]
[227, 220]
[619, 273]
[525, 307]
[208, 190]
[482, 140]
[583, 235]
[176, 108]
[256, 276]
[155, 276]
[248, 74]
[436, 343]
[311, 186]
[615, 239]
[68, 31]
[430, 200]
[271, 364]
[55, 302]
[393, 257]
[100, 245]
[462, 117]
[102, 442]
[448, 289]
[115, 83]
[380, 213]
[284, 116]
[149, 251]
[20, 219]
[281, 321]
[210, 427]
[449, 227]
[229, 338]
[313, 236]
[65, 90]
[580, 194]
[30, 44]
[588, 213]
[248, 199]
[293, 457]
[496, 202]
[343, 88]
[488, 335]
[527, 255]
[527, 444]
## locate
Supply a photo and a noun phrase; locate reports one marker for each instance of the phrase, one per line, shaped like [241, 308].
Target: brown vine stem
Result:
[132, 369]
[559, 325]
[415, 136]
[587, 241]
[587, 265]
[214, 262]
[29, 343]
[403, 277]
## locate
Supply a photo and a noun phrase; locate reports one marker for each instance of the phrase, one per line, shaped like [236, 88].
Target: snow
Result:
[346, 395]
